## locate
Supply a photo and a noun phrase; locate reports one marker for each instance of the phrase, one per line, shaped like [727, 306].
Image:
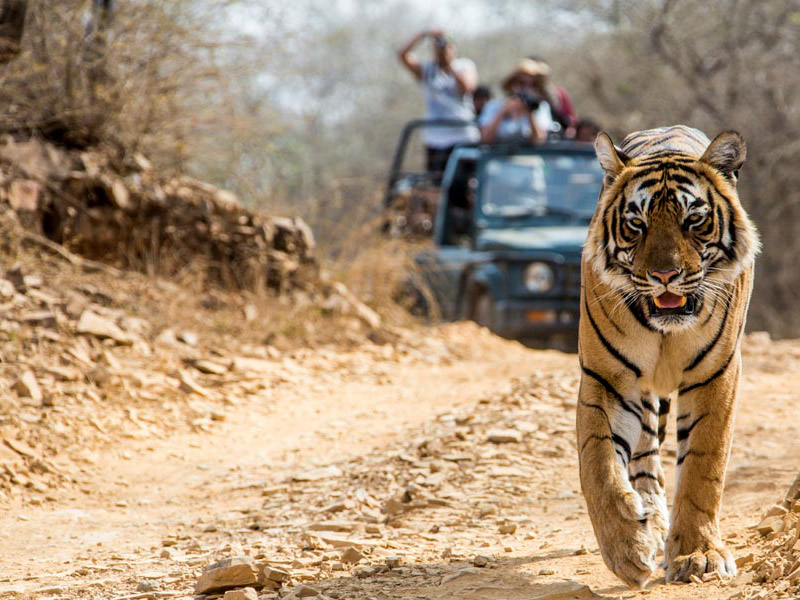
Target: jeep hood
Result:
[557, 239]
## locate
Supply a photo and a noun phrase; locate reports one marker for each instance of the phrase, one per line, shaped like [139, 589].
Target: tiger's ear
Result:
[726, 154]
[611, 158]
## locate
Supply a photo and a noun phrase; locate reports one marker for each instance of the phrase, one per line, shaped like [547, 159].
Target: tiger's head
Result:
[669, 233]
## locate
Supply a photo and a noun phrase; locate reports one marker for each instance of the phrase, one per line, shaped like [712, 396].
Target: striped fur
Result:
[666, 279]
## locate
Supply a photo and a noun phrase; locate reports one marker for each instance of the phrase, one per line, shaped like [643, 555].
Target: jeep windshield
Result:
[539, 189]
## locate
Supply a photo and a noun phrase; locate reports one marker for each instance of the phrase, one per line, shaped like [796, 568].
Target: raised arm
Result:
[466, 78]
[408, 59]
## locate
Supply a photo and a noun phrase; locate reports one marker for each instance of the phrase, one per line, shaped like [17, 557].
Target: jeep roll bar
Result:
[395, 172]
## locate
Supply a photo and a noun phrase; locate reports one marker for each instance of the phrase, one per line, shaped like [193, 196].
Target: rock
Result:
[392, 562]
[269, 573]
[41, 318]
[365, 572]
[507, 528]
[146, 586]
[188, 337]
[770, 525]
[318, 474]
[167, 553]
[247, 593]
[351, 556]
[7, 289]
[99, 375]
[23, 195]
[20, 448]
[546, 572]
[304, 591]
[189, 385]
[744, 560]
[119, 194]
[250, 313]
[333, 526]
[776, 510]
[794, 576]
[226, 574]
[210, 367]
[480, 561]
[27, 386]
[90, 323]
[504, 436]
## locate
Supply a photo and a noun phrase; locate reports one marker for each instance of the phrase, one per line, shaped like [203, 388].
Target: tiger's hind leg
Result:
[645, 471]
[705, 426]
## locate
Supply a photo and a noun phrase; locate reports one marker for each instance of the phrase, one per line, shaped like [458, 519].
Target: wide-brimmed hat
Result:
[526, 66]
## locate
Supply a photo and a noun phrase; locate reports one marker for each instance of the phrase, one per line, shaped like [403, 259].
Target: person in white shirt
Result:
[447, 86]
[523, 115]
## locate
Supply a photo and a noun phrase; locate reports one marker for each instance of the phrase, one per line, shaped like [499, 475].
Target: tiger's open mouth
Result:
[671, 304]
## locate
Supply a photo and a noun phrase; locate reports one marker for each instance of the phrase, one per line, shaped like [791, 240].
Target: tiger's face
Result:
[669, 232]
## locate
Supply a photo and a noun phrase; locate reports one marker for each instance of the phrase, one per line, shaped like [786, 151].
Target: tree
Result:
[12, 25]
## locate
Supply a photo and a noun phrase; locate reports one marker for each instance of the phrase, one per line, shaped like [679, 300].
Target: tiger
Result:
[666, 277]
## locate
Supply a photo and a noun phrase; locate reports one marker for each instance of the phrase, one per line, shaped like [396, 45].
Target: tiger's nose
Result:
[665, 276]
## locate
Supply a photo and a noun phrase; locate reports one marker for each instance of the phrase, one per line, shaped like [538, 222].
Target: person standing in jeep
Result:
[447, 86]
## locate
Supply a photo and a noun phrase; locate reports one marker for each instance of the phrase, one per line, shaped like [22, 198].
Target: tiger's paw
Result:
[716, 559]
[627, 542]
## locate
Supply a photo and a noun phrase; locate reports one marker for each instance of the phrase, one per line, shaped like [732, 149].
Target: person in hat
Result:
[524, 114]
[561, 105]
[447, 86]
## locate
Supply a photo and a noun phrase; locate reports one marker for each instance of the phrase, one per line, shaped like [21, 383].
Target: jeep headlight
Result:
[539, 277]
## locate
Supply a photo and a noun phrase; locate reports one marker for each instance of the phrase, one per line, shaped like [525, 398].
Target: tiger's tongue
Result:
[669, 300]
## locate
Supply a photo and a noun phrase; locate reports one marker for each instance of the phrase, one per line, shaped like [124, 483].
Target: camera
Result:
[531, 100]
[440, 42]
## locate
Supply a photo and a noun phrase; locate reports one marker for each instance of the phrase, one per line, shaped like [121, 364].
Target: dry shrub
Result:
[131, 78]
[379, 271]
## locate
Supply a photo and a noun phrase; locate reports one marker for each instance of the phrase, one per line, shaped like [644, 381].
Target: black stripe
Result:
[643, 474]
[638, 314]
[595, 437]
[647, 429]
[649, 406]
[597, 407]
[677, 177]
[599, 302]
[698, 509]
[689, 453]
[652, 452]
[685, 432]
[627, 149]
[683, 416]
[620, 441]
[720, 371]
[607, 345]
[711, 312]
[710, 346]
[648, 182]
[663, 406]
[726, 249]
[617, 396]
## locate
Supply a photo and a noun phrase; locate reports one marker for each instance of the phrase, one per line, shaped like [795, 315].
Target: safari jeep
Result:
[508, 232]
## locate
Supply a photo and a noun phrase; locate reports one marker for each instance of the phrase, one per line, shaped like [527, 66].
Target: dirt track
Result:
[415, 476]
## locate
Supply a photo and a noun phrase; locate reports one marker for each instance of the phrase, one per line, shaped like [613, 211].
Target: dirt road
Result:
[427, 461]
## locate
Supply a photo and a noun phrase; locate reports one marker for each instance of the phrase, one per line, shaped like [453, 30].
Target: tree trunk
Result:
[12, 24]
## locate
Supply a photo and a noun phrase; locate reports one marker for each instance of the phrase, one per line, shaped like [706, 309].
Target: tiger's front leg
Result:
[705, 427]
[645, 471]
[609, 427]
